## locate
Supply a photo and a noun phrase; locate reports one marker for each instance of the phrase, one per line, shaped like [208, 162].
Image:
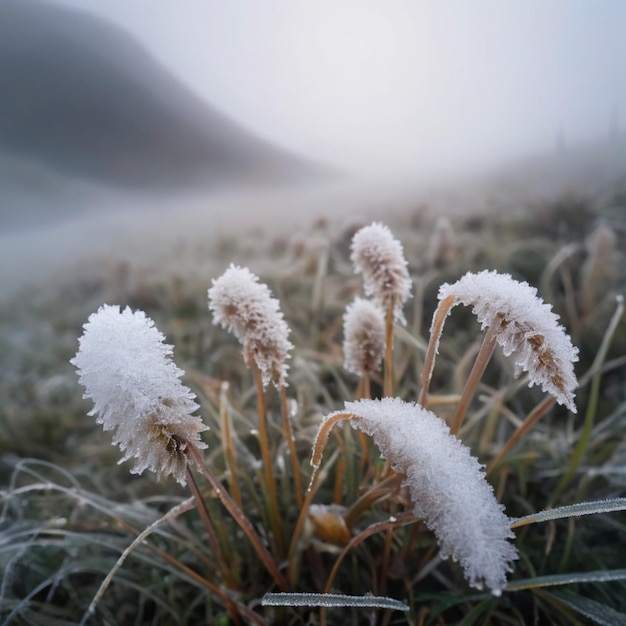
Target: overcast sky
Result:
[396, 86]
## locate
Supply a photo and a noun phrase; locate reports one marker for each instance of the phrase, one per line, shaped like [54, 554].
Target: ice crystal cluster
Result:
[447, 486]
[135, 386]
[364, 336]
[243, 305]
[377, 255]
[525, 326]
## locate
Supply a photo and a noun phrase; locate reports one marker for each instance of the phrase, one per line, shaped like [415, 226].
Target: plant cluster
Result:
[307, 521]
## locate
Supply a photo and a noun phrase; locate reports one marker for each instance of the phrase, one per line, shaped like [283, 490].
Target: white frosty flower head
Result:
[364, 336]
[525, 325]
[380, 258]
[447, 486]
[129, 374]
[246, 307]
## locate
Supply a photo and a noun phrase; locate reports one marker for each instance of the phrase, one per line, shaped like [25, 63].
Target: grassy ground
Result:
[68, 509]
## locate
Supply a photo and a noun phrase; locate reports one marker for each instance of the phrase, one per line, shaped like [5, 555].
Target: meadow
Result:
[69, 511]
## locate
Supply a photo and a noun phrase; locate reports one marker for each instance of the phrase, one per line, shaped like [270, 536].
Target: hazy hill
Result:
[81, 99]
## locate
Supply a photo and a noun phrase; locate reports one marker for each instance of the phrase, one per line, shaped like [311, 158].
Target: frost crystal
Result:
[447, 486]
[245, 306]
[129, 374]
[364, 336]
[525, 326]
[380, 258]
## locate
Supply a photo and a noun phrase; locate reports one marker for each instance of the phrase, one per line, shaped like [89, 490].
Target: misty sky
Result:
[396, 86]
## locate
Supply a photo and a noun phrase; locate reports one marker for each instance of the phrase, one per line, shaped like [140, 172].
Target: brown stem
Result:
[439, 317]
[208, 525]
[316, 459]
[401, 520]
[478, 369]
[366, 387]
[244, 523]
[291, 442]
[228, 447]
[388, 381]
[268, 465]
[533, 417]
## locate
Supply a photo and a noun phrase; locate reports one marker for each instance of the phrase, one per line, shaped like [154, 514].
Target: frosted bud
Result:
[364, 336]
[525, 326]
[245, 307]
[135, 386]
[447, 487]
[380, 258]
[442, 246]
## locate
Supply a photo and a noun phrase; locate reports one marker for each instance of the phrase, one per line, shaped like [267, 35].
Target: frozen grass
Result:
[69, 512]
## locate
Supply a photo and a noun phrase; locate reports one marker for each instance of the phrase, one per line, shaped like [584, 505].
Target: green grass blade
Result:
[599, 613]
[572, 510]
[332, 600]
[598, 576]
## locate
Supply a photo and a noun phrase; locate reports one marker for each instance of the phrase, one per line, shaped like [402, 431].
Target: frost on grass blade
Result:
[129, 374]
[330, 600]
[447, 486]
[243, 305]
[380, 258]
[525, 325]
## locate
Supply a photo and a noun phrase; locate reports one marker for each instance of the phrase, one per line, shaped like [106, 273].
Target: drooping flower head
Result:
[525, 326]
[364, 336]
[243, 305]
[380, 258]
[447, 486]
[135, 386]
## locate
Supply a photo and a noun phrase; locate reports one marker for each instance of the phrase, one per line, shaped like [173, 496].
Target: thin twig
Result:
[242, 520]
[291, 442]
[268, 464]
[478, 369]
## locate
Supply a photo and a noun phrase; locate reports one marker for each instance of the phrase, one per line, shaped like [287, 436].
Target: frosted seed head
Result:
[380, 258]
[525, 325]
[243, 305]
[129, 374]
[447, 487]
[364, 336]
[442, 245]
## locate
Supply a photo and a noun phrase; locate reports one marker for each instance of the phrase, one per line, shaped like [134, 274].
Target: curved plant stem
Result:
[401, 520]
[242, 520]
[533, 417]
[234, 608]
[592, 402]
[268, 465]
[478, 369]
[439, 317]
[228, 447]
[388, 381]
[316, 460]
[291, 442]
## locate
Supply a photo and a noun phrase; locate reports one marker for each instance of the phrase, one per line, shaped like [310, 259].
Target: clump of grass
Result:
[358, 528]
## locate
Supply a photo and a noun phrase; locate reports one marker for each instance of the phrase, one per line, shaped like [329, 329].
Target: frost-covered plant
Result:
[442, 245]
[520, 322]
[379, 257]
[447, 485]
[243, 305]
[129, 374]
[364, 337]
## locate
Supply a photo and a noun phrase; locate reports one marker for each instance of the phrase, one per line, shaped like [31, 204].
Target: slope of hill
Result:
[82, 100]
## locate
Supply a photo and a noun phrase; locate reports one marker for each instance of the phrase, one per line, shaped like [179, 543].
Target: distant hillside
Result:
[81, 98]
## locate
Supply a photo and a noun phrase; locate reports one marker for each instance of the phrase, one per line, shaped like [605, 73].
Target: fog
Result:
[397, 87]
[282, 110]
